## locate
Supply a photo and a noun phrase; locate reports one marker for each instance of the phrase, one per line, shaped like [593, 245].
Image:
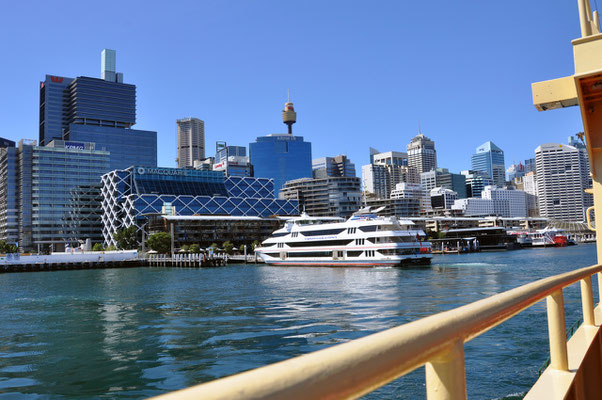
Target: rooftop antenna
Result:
[419, 130]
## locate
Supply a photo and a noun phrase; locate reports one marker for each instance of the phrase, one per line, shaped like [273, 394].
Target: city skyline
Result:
[388, 67]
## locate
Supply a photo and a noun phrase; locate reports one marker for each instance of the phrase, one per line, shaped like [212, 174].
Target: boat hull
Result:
[420, 260]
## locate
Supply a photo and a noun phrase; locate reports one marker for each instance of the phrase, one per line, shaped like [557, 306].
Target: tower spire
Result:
[289, 116]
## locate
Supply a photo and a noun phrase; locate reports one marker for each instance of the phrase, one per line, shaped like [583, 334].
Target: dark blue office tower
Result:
[101, 111]
[282, 157]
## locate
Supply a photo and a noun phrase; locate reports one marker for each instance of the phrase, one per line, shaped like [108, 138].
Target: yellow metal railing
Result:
[353, 369]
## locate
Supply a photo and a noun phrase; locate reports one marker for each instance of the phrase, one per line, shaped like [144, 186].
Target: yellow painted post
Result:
[583, 18]
[587, 301]
[446, 374]
[557, 331]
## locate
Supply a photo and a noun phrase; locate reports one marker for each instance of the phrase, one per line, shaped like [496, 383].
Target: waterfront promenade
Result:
[137, 332]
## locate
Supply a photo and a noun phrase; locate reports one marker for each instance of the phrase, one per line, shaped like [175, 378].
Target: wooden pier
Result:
[42, 266]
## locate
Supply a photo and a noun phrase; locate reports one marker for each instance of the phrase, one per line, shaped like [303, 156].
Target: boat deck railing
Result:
[358, 367]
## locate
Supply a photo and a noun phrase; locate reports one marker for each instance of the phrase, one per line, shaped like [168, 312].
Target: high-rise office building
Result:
[333, 166]
[490, 159]
[562, 173]
[9, 212]
[58, 193]
[515, 171]
[191, 141]
[231, 160]
[422, 154]
[387, 170]
[476, 182]
[441, 177]
[374, 180]
[101, 111]
[281, 156]
[325, 197]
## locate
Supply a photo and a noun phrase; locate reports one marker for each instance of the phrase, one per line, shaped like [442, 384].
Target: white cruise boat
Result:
[364, 240]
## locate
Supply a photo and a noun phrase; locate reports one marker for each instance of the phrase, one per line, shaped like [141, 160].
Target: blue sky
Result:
[361, 74]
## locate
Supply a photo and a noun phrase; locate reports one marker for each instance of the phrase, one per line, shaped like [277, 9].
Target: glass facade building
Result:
[127, 146]
[131, 196]
[101, 111]
[333, 166]
[490, 159]
[281, 157]
[232, 160]
[58, 193]
[9, 219]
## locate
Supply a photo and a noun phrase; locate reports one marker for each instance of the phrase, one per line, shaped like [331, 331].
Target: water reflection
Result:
[133, 333]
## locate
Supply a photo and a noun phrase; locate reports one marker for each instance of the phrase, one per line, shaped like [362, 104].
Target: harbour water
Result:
[134, 333]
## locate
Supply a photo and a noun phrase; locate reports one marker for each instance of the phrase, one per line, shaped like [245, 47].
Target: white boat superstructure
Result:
[364, 240]
[544, 237]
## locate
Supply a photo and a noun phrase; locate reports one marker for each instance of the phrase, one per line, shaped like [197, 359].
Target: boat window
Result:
[313, 243]
[392, 239]
[279, 234]
[310, 254]
[352, 253]
[359, 242]
[388, 227]
[323, 232]
[369, 228]
[272, 254]
[398, 252]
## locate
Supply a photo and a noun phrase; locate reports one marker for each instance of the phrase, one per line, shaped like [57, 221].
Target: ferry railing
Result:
[358, 367]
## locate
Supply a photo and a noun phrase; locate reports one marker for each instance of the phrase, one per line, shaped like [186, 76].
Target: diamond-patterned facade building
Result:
[130, 196]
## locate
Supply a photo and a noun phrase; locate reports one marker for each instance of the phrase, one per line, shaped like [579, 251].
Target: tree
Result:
[214, 246]
[195, 248]
[228, 246]
[126, 238]
[160, 242]
[111, 248]
[185, 248]
[7, 247]
[97, 247]
[255, 245]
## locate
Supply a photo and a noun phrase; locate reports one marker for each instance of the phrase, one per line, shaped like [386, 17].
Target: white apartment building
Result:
[406, 190]
[508, 203]
[474, 206]
[562, 175]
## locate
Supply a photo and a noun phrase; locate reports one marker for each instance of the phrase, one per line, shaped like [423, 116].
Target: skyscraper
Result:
[191, 141]
[441, 177]
[422, 154]
[333, 166]
[281, 156]
[101, 111]
[490, 159]
[232, 160]
[386, 170]
[562, 173]
[58, 193]
[476, 182]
